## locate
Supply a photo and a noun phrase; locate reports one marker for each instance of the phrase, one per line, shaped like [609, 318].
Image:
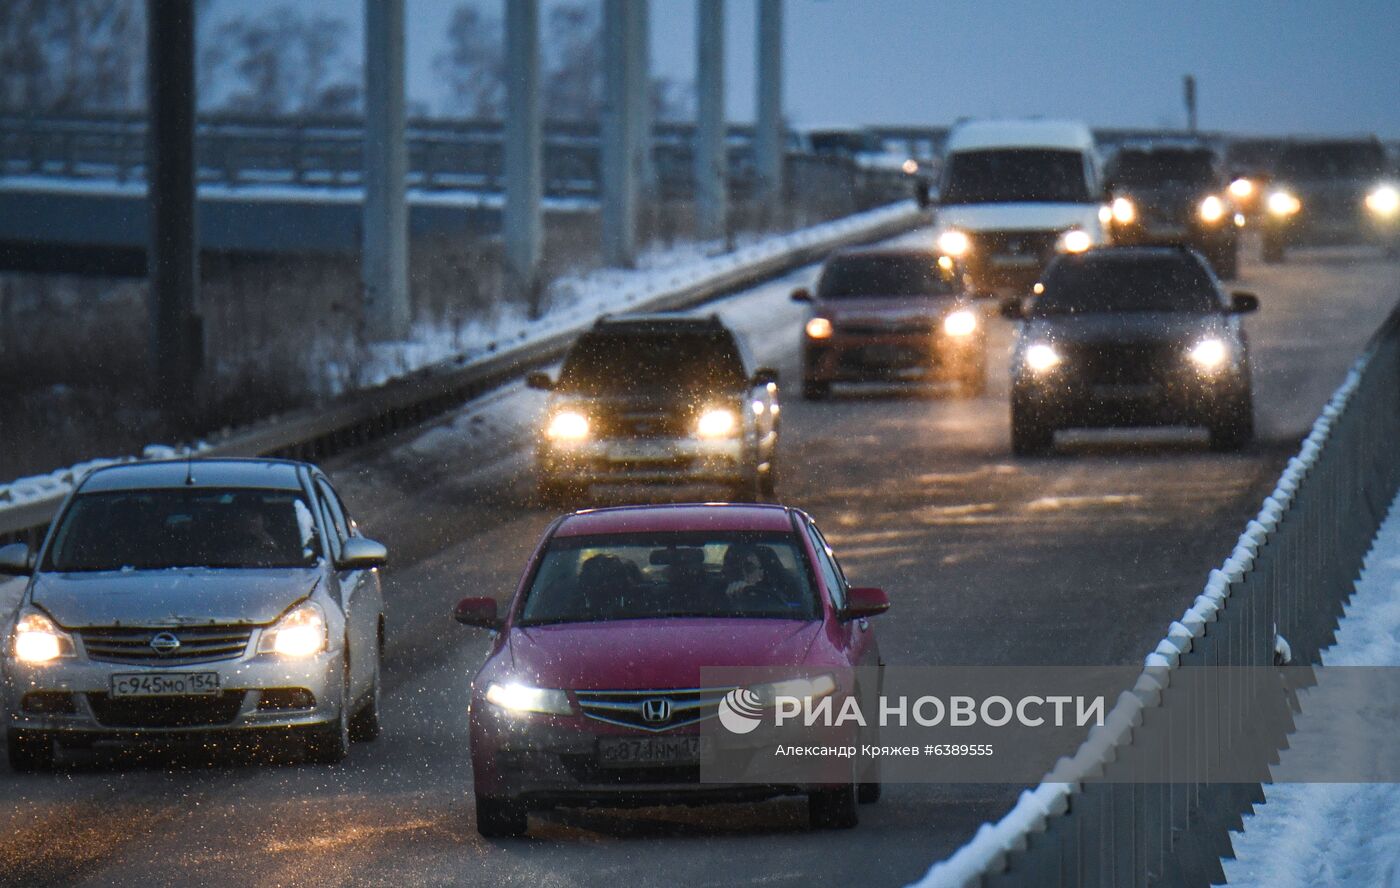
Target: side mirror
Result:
[865, 602]
[802, 294]
[359, 553]
[16, 560]
[1012, 309]
[1242, 302]
[765, 376]
[478, 612]
[540, 381]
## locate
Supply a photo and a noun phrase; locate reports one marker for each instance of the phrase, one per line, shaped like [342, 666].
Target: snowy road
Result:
[1083, 557]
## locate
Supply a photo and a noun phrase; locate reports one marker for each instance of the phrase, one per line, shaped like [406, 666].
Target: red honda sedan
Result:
[592, 693]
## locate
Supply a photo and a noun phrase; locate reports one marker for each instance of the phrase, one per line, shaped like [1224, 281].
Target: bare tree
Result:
[70, 55]
[573, 82]
[473, 65]
[281, 63]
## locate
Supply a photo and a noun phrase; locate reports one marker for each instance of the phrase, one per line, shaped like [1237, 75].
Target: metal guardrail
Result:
[364, 415]
[1290, 575]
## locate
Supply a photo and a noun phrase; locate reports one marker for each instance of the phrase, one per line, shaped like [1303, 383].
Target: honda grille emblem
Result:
[656, 710]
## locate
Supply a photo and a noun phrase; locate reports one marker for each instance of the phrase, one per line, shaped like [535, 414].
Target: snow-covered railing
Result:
[27, 504]
[1278, 595]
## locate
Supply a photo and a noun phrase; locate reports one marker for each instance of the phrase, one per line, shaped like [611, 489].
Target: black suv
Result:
[1130, 336]
[1174, 194]
[658, 399]
[1328, 191]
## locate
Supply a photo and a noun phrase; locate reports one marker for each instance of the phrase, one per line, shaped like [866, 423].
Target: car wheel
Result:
[1233, 426]
[816, 391]
[29, 751]
[501, 818]
[364, 726]
[329, 744]
[1273, 248]
[1029, 435]
[833, 808]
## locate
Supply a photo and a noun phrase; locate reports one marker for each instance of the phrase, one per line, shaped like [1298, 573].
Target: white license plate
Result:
[1004, 261]
[639, 451]
[173, 684]
[626, 752]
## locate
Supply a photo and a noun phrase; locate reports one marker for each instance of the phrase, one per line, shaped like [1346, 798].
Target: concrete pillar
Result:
[384, 264]
[640, 70]
[620, 165]
[711, 166]
[523, 159]
[768, 144]
[173, 258]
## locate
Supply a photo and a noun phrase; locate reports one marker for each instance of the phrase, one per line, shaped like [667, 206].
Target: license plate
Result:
[627, 752]
[887, 356]
[174, 684]
[639, 451]
[1006, 261]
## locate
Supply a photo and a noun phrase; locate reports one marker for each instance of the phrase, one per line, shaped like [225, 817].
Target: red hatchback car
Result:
[592, 692]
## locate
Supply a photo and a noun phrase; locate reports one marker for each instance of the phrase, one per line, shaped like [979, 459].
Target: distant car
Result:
[1130, 336]
[667, 399]
[592, 693]
[194, 598]
[891, 314]
[1174, 193]
[1251, 164]
[1328, 191]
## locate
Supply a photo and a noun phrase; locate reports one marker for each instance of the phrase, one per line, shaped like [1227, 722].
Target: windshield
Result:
[1169, 283]
[1021, 175]
[166, 528]
[1147, 168]
[607, 362]
[731, 574]
[1343, 161]
[856, 276]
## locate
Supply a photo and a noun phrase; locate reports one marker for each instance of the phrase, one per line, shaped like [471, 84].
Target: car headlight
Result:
[1041, 356]
[1283, 203]
[1241, 188]
[720, 422]
[962, 322]
[1384, 200]
[1123, 210]
[566, 425]
[819, 328]
[1209, 354]
[519, 698]
[301, 633]
[1074, 241]
[815, 688]
[910, 166]
[39, 640]
[954, 243]
[1211, 210]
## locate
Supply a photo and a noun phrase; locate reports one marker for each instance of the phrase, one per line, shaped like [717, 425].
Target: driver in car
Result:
[751, 584]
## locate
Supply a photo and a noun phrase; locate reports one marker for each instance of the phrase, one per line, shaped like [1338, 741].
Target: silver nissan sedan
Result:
[180, 599]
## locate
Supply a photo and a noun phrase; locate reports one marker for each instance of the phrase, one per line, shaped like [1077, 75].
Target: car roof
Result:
[266, 474]
[1023, 133]
[1128, 254]
[658, 323]
[884, 253]
[677, 518]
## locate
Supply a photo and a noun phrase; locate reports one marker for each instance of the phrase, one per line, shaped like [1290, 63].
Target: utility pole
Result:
[524, 182]
[173, 257]
[622, 97]
[710, 161]
[768, 106]
[384, 264]
[1188, 85]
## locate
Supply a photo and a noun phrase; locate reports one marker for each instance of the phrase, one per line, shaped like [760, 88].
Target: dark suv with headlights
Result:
[1329, 191]
[1130, 336]
[1174, 194]
[658, 399]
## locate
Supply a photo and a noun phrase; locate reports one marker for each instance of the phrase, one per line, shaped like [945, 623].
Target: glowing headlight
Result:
[1209, 354]
[819, 328]
[910, 166]
[1384, 201]
[717, 423]
[798, 688]
[960, 323]
[1241, 188]
[39, 640]
[1123, 211]
[954, 243]
[523, 698]
[1074, 241]
[1281, 203]
[1212, 209]
[566, 425]
[1041, 357]
[301, 633]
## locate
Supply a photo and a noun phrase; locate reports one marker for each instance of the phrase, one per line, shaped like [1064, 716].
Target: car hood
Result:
[1146, 326]
[1020, 217]
[176, 597]
[643, 654]
[681, 397]
[889, 309]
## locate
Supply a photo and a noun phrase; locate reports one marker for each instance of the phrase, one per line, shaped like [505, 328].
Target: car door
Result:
[356, 590]
[853, 637]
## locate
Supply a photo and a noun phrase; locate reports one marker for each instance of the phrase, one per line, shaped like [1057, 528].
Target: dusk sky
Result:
[1261, 66]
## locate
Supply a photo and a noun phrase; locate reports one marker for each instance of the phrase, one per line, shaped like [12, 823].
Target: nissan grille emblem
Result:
[656, 710]
[165, 643]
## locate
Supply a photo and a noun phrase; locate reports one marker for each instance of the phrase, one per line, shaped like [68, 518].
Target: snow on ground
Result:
[1340, 834]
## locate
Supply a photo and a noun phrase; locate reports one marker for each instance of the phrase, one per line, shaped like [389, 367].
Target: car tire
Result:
[815, 391]
[1030, 436]
[1273, 248]
[1232, 427]
[501, 818]
[364, 725]
[837, 808]
[29, 751]
[329, 744]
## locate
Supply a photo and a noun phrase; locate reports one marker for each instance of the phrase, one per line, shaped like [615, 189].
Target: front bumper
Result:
[1063, 400]
[669, 460]
[846, 357]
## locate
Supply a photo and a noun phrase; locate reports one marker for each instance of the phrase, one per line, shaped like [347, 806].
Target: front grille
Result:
[908, 328]
[1141, 363]
[198, 644]
[166, 712]
[626, 708]
[1014, 243]
[643, 424]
